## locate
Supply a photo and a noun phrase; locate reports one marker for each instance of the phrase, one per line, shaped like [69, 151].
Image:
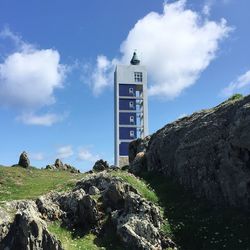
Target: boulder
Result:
[100, 165]
[58, 165]
[24, 160]
[29, 231]
[93, 190]
[207, 152]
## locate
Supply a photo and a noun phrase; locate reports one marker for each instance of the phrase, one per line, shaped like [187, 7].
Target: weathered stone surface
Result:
[24, 160]
[100, 165]
[137, 146]
[138, 224]
[48, 206]
[137, 221]
[29, 231]
[58, 165]
[139, 164]
[5, 222]
[93, 190]
[208, 152]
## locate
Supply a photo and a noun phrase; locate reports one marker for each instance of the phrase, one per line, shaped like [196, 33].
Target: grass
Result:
[69, 241]
[194, 223]
[20, 183]
[235, 97]
[76, 241]
[139, 184]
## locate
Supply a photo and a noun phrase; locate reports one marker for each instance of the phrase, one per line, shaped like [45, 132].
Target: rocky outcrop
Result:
[100, 165]
[59, 165]
[207, 152]
[28, 231]
[24, 160]
[96, 199]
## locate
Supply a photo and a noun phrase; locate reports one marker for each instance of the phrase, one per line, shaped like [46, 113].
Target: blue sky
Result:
[57, 59]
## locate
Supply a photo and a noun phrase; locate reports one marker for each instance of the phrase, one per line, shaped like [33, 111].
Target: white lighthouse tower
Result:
[131, 107]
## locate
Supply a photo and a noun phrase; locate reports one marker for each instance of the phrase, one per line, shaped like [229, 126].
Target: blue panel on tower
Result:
[123, 148]
[127, 133]
[127, 104]
[127, 118]
[127, 89]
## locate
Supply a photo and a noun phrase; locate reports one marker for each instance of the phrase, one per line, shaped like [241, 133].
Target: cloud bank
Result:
[64, 152]
[29, 78]
[176, 46]
[84, 154]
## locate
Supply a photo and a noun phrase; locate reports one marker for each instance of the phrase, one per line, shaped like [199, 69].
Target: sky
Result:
[57, 60]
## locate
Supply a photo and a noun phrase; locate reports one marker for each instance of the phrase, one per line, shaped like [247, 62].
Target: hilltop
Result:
[190, 191]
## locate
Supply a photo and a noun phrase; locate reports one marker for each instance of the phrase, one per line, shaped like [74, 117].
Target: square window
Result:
[131, 91]
[138, 76]
[131, 119]
[131, 104]
[131, 133]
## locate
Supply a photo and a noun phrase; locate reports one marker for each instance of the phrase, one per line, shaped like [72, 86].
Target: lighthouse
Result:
[130, 107]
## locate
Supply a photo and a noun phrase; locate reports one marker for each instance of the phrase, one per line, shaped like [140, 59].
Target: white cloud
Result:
[176, 46]
[101, 76]
[240, 84]
[29, 76]
[44, 119]
[85, 154]
[37, 156]
[64, 152]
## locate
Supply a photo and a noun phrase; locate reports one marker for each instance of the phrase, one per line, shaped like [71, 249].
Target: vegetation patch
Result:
[139, 184]
[76, 240]
[235, 97]
[194, 223]
[19, 183]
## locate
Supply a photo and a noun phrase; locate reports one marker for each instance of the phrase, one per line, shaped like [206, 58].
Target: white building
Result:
[131, 107]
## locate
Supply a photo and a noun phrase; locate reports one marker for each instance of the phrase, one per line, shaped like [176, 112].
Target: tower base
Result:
[123, 160]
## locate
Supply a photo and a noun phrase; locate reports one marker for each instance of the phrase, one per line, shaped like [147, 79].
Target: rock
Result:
[88, 213]
[139, 223]
[5, 222]
[29, 231]
[137, 146]
[24, 160]
[136, 221]
[58, 165]
[100, 165]
[93, 190]
[48, 206]
[139, 164]
[207, 152]
[99, 180]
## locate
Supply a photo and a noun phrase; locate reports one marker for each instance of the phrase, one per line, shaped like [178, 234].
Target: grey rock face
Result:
[58, 165]
[208, 152]
[136, 221]
[100, 165]
[29, 231]
[136, 225]
[24, 160]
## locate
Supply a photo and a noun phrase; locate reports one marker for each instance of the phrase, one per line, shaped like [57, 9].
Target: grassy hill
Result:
[193, 224]
[19, 183]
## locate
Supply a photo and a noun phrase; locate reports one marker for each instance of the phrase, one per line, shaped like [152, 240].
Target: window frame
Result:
[131, 119]
[132, 133]
[131, 104]
[138, 76]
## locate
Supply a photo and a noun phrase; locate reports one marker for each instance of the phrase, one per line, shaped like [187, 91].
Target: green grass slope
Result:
[194, 223]
[19, 183]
